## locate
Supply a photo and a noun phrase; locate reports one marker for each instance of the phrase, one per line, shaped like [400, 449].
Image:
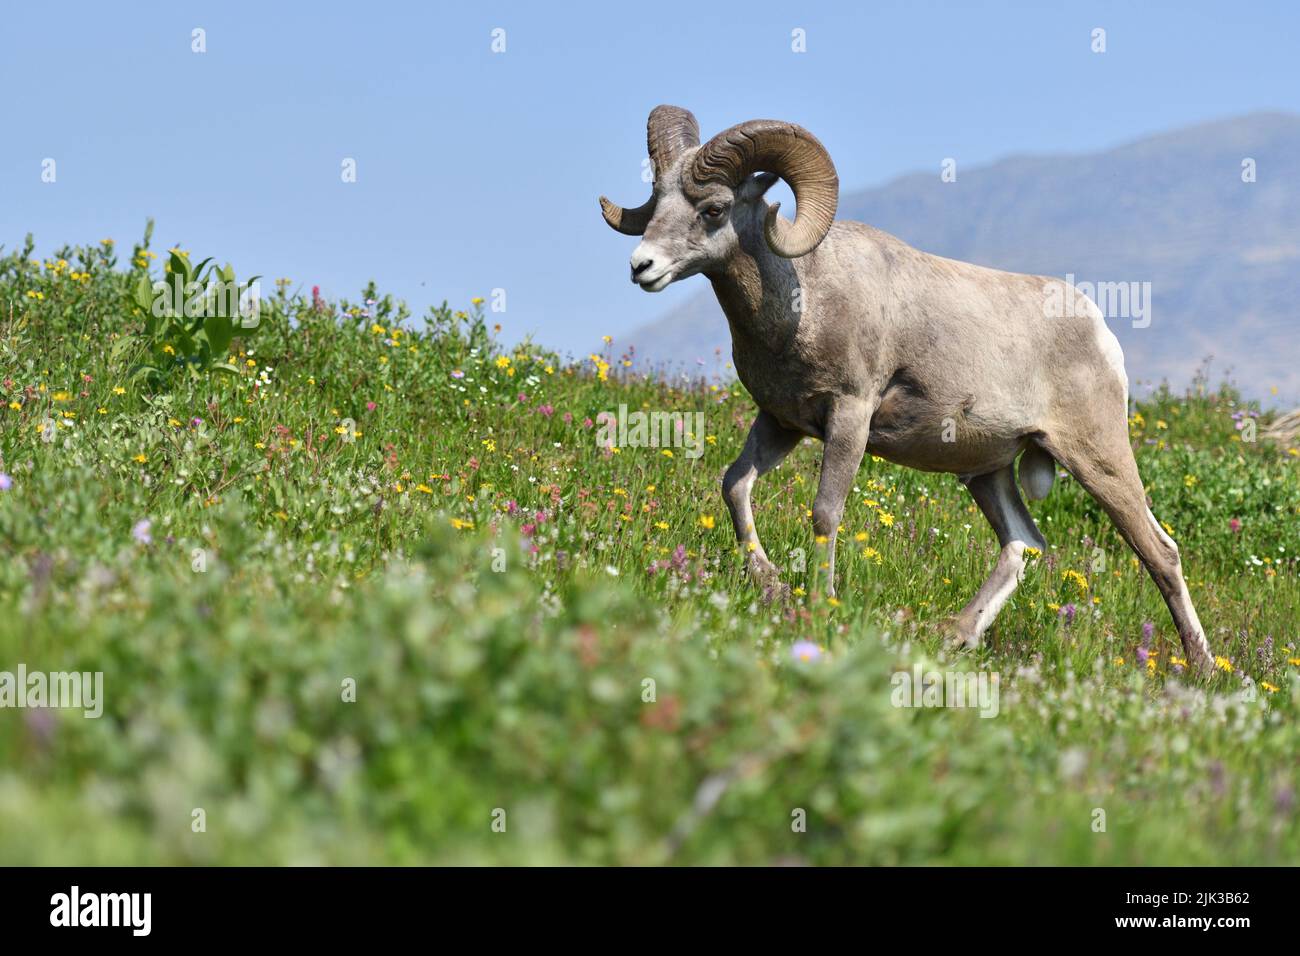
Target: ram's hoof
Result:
[775, 592]
[1199, 662]
[958, 635]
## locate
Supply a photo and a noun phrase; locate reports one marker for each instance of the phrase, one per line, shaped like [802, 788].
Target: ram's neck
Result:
[758, 291]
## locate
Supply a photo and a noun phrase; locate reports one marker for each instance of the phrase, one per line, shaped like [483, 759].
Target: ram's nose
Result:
[641, 263]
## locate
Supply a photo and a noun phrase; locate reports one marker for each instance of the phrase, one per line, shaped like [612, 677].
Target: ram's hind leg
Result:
[997, 497]
[765, 448]
[1105, 466]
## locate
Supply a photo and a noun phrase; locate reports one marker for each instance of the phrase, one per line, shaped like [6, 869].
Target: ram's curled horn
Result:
[630, 222]
[669, 131]
[796, 156]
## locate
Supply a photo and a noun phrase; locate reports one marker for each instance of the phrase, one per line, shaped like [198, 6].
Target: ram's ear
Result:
[756, 185]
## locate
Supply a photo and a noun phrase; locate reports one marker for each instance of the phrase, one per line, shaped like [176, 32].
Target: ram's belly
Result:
[911, 428]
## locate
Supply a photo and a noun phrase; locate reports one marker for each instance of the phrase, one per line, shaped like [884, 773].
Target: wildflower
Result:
[119, 390]
[1271, 688]
[706, 522]
[885, 518]
[1068, 612]
[140, 531]
[5, 482]
[1234, 525]
[1077, 579]
[457, 373]
[805, 651]
[140, 458]
[477, 300]
[667, 452]
[1223, 664]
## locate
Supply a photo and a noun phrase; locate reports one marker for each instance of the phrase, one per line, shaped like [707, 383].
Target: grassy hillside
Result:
[376, 592]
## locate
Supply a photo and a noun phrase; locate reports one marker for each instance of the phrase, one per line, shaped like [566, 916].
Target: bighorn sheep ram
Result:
[847, 334]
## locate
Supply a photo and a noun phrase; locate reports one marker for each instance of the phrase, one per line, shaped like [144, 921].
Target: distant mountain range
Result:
[1222, 256]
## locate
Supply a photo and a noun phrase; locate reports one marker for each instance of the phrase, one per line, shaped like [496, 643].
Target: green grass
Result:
[506, 596]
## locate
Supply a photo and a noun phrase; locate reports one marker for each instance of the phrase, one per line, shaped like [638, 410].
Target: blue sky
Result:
[479, 170]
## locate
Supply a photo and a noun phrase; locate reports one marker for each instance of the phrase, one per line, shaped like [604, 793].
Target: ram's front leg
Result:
[768, 443]
[845, 438]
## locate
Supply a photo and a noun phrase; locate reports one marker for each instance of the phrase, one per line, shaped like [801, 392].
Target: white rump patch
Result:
[1107, 344]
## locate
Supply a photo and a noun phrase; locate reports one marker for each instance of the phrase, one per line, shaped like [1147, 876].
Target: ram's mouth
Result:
[657, 284]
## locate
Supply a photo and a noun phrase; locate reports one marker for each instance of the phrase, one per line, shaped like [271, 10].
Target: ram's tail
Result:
[1037, 472]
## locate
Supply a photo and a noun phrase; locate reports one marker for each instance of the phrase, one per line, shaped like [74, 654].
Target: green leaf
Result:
[144, 293]
[142, 370]
[219, 331]
[179, 266]
[120, 347]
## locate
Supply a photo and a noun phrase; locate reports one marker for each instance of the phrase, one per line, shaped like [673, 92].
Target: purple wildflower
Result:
[805, 651]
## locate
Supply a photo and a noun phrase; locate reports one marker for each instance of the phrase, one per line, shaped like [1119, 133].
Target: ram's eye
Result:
[714, 212]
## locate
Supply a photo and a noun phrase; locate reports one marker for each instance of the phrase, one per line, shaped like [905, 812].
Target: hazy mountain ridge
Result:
[1222, 255]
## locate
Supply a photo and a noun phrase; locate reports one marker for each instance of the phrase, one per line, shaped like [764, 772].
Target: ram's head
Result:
[706, 196]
